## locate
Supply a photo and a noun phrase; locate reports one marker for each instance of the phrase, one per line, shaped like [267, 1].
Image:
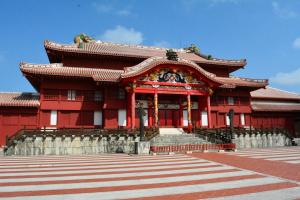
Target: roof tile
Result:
[275, 108]
[274, 93]
[139, 51]
[57, 69]
[19, 99]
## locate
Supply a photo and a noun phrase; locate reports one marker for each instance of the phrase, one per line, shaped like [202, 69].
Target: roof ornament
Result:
[194, 49]
[171, 55]
[82, 38]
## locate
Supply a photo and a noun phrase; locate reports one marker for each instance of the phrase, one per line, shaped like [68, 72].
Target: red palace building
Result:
[99, 85]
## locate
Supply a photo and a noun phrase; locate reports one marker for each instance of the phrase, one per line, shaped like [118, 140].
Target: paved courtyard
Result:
[247, 174]
[288, 155]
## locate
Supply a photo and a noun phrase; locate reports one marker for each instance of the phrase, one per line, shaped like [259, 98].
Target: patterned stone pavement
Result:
[121, 176]
[281, 154]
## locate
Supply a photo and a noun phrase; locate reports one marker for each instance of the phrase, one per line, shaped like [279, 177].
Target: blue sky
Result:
[266, 33]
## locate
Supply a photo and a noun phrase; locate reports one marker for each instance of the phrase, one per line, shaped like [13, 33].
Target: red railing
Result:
[192, 147]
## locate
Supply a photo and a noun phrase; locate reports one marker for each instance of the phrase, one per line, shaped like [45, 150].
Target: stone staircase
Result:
[175, 136]
[171, 131]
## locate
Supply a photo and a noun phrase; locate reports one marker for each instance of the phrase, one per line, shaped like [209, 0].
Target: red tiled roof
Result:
[232, 82]
[154, 61]
[138, 51]
[275, 108]
[57, 69]
[19, 99]
[273, 93]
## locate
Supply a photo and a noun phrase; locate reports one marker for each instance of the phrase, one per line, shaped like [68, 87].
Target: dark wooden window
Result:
[71, 95]
[98, 96]
[121, 93]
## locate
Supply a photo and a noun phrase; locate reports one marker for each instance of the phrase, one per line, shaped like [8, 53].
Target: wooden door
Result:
[161, 118]
[176, 118]
[169, 118]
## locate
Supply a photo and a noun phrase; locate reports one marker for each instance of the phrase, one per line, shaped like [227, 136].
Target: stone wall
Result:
[261, 140]
[75, 145]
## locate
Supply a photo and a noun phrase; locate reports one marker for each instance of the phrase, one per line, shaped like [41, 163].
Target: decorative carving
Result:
[172, 76]
[153, 77]
[210, 91]
[130, 87]
[188, 87]
[168, 106]
[155, 109]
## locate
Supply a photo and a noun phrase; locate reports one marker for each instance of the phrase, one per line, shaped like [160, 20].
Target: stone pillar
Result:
[156, 109]
[132, 110]
[189, 112]
[208, 111]
[142, 148]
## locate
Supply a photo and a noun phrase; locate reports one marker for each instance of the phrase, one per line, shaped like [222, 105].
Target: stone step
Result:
[166, 140]
[171, 131]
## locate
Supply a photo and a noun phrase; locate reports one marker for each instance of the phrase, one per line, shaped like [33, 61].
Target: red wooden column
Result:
[128, 110]
[155, 109]
[180, 112]
[208, 111]
[132, 109]
[199, 111]
[189, 112]
[150, 117]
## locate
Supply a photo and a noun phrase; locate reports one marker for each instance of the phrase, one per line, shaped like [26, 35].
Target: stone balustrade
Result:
[261, 140]
[69, 145]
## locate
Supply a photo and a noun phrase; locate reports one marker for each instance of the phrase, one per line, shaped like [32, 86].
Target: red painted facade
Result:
[77, 100]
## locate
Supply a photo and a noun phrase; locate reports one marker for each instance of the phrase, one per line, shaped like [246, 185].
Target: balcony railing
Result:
[49, 97]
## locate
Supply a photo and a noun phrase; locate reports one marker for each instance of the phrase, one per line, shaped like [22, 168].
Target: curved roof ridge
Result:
[249, 79]
[233, 81]
[25, 64]
[55, 44]
[60, 65]
[154, 61]
[140, 46]
[57, 69]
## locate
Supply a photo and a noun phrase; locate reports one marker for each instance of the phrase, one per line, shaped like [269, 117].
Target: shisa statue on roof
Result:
[193, 49]
[82, 38]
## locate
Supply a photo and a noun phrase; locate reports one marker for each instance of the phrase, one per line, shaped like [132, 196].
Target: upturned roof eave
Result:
[222, 62]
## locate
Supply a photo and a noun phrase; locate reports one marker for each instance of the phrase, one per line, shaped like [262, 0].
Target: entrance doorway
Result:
[169, 118]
